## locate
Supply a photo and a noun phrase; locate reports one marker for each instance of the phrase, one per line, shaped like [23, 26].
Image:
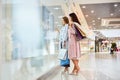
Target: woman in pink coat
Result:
[73, 44]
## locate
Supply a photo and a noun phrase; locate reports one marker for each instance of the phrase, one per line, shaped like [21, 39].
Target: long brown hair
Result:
[74, 18]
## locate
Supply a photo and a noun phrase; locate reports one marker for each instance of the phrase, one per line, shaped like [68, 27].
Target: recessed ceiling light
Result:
[115, 5]
[92, 11]
[56, 8]
[86, 15]
[84, 7]
[99, 18]
[93, 20]
[111, 14]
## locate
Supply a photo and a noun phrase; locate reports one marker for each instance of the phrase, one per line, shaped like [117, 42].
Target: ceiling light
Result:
[111, 14]
[115, 5]
[98, 18]
[93, 20]
[86, 15]
[56, 8]
[92, 11]
[84, 7]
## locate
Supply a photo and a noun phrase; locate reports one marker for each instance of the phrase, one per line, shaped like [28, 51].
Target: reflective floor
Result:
[101, 66]
[30, 41]
[27, 69]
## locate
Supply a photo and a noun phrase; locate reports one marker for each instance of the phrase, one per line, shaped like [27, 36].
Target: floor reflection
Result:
[95, 67]
[86, 75]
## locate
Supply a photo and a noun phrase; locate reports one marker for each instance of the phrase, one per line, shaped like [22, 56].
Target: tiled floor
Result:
[99, 66]
[95, 67]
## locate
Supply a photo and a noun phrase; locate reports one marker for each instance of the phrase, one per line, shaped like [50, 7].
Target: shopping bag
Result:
[79, 33]
[62, 54]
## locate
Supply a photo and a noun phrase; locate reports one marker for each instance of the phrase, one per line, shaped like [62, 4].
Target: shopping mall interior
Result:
[29, 39]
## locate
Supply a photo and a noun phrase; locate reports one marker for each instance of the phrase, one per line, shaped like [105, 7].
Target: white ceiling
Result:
[94, 1]
[106, 33]
[102, 11]
[60, 2]
[53, 2]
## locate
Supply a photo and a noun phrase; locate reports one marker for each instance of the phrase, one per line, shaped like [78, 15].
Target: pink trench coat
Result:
[73, 45]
